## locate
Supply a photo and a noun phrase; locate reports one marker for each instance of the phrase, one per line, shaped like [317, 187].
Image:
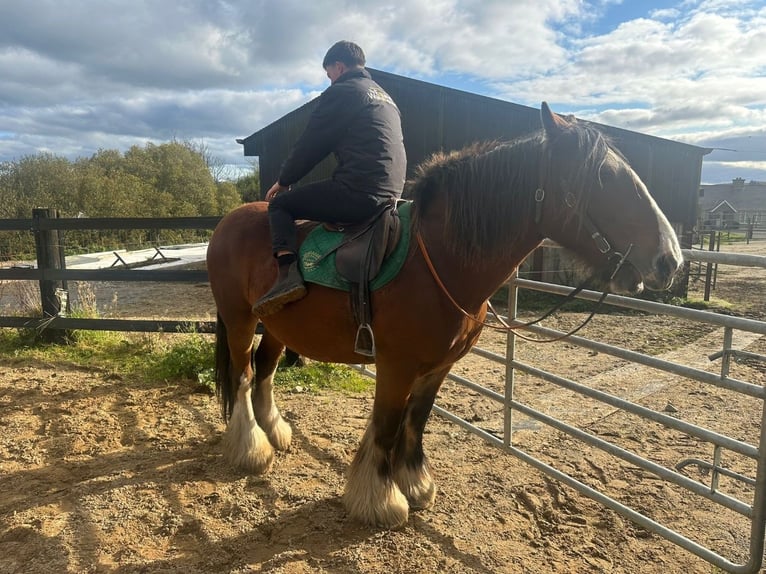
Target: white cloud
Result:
[78, 76]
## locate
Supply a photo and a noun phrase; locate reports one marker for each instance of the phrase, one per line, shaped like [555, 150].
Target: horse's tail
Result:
[224, 386]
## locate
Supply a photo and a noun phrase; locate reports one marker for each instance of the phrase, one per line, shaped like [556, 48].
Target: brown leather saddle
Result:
[358, 259]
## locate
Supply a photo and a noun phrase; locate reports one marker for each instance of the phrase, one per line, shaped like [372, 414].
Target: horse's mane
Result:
[488, 188]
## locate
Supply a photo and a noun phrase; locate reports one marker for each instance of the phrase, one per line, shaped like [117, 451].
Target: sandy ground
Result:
[98, 474]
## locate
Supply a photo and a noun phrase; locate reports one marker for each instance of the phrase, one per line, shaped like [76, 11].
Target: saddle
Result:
[358, 259]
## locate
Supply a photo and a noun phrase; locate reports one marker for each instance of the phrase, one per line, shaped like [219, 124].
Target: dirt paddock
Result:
[99, 474]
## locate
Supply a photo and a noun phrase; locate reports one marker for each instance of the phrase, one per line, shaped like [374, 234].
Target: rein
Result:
[602, 244]
[505, 326]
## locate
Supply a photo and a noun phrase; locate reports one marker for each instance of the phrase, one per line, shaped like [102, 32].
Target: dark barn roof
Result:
[439, 118]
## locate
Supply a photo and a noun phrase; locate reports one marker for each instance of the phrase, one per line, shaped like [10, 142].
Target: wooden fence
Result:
[52, 275]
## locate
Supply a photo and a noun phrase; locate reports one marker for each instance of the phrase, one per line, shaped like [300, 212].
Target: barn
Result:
[439, 118]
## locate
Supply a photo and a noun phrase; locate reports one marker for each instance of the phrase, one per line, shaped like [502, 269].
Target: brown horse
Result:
[478, 213]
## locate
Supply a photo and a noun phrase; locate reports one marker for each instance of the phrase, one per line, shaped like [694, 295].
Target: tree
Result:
[174, 169]
[249, 187]
[166, 180]
[228, 197]
[42, 180]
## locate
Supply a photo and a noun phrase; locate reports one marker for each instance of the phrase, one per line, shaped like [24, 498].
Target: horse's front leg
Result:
[266, 412]
[372, 495]
[245, 445]
[411, 468]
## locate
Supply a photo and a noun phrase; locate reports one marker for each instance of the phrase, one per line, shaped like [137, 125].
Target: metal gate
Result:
[711, 449]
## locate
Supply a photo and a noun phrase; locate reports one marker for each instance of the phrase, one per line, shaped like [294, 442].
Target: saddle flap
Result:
[365, 246]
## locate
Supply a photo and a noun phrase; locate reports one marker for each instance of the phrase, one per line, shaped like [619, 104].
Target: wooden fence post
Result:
[50, 256]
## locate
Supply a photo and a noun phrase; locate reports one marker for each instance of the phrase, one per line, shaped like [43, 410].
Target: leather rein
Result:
[614, 258]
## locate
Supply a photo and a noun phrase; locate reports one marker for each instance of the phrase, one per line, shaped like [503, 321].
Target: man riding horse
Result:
[357, 121]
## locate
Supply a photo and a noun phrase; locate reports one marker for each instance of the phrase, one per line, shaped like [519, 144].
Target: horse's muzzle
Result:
[664, 271]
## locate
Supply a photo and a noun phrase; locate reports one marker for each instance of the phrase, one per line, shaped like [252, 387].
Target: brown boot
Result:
[288, 288]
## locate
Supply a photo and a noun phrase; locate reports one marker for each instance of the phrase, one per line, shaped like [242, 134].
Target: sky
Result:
[77, 76]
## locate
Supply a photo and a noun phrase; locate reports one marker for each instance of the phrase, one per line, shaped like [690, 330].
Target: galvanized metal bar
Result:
[758, 524]
[489, 355]
[722, 470]
[716, 466]
[476, 387]
[643, 412]
[510, 355]
[704, 256]
[744, 387]
[657, 469]
[737, 354]
[638, 518]
[740, 323]
[728, 336]
[739, 259]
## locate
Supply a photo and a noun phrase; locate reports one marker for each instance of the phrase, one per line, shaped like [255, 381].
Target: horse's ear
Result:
[553, 123]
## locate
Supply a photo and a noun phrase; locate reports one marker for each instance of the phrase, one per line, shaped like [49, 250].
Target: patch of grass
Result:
[715, 304]
[186, 356]
[150, 357]
[183, 359]
[140, 356]
[315, 376]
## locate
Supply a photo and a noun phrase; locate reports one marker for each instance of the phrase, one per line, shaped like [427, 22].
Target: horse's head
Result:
[592, 202]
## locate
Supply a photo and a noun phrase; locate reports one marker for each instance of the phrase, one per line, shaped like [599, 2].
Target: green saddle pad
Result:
[318, 267]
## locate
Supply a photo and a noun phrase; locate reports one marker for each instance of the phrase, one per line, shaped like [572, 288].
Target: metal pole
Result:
[709, 270]
[510, 351]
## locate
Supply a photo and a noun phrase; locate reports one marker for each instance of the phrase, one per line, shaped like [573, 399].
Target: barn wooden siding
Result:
[440, 118]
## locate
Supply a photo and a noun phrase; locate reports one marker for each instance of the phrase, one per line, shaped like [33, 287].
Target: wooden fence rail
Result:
[52, 275]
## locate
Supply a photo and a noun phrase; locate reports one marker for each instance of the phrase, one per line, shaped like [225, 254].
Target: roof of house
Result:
[739, 195]
[723, 206]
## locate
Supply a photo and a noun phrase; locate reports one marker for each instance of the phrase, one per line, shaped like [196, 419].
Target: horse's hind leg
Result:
[411, 469]
[245, 444]
[372, 496]
[266, 413]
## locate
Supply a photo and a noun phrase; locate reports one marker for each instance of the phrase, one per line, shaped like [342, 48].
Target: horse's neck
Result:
[470, 285]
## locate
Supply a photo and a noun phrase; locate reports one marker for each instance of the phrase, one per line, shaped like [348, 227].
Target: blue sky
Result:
[78, 76]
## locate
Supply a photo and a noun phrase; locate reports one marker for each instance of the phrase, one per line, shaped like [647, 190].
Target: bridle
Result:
[615, 261]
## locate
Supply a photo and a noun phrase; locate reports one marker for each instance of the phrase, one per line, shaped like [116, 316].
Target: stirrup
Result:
[364, 344]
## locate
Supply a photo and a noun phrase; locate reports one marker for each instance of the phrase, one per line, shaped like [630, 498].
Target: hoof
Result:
[417, 486]
[280, 435]
[384, 507]
[253, 454]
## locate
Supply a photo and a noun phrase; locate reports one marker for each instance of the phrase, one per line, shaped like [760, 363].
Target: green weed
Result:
[315, 376]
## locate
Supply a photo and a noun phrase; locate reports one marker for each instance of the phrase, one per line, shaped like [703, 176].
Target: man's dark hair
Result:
[346, 52]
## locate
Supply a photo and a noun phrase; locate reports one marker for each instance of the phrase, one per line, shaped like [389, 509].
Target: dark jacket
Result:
[358, 121]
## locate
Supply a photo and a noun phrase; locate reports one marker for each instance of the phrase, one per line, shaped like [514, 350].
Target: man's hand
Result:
[275, 189]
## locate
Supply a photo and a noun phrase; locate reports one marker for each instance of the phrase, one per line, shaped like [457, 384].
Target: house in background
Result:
[732, 205]
[436, 118]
